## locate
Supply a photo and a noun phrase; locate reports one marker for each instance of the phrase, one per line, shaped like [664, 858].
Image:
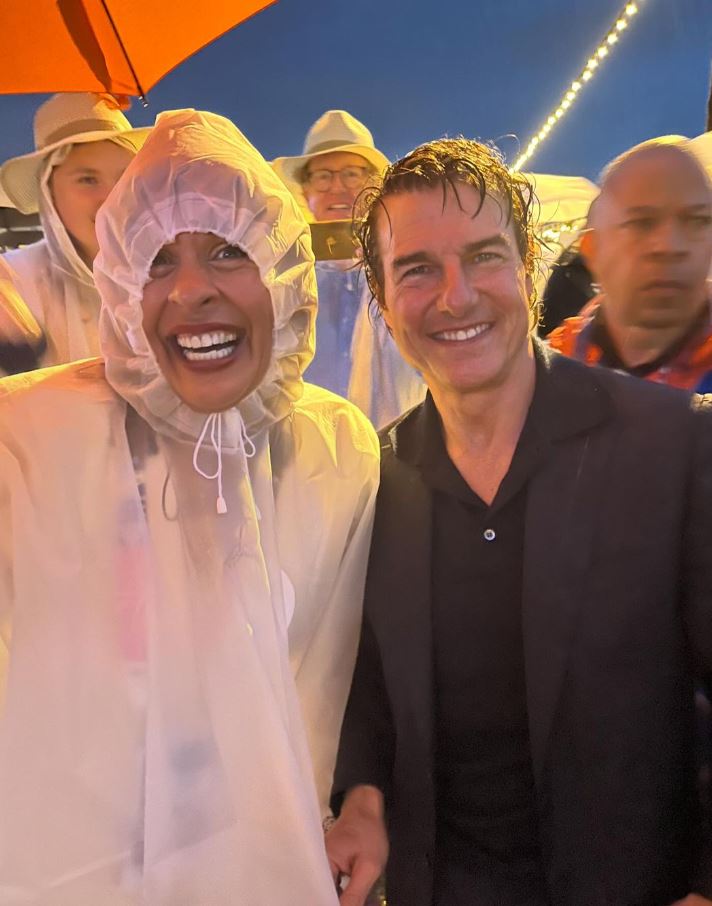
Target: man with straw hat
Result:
[83, 143]
[352, 358]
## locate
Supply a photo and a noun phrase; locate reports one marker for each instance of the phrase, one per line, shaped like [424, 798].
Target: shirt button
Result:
[489, 534]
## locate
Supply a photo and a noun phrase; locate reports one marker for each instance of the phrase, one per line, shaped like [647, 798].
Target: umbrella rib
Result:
[141, 92]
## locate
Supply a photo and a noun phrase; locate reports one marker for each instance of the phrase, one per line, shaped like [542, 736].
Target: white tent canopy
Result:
[563, 206]
[562, 199]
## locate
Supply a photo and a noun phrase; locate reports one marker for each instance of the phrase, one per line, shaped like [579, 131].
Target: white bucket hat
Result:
[63, 119]
[335, 130]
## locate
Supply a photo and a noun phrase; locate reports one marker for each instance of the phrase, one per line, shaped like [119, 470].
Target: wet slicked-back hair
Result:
[446, 164]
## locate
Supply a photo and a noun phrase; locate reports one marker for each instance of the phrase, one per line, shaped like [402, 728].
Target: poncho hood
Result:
[198, 173]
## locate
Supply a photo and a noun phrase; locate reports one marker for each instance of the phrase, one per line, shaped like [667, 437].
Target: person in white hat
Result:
[83, 143]
[353, 358]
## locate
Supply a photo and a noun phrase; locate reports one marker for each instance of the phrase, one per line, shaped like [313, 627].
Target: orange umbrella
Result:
[118, 46]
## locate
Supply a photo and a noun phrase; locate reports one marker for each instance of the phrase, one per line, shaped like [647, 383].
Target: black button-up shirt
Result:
[484, 785]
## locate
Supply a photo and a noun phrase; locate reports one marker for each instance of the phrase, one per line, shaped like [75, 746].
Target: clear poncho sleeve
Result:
[328, 567]
[8, 469]
[17, 323]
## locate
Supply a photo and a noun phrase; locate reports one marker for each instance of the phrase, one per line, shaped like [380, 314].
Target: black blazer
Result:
[617, 622]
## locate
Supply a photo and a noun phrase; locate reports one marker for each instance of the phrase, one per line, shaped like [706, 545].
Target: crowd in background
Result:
[229, 520]
[83, 143]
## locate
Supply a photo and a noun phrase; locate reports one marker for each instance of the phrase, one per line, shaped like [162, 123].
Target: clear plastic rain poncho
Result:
[55, 283]
[356, 356]
[152, 742]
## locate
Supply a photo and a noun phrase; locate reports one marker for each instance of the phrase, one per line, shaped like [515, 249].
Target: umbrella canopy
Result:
[118, 46]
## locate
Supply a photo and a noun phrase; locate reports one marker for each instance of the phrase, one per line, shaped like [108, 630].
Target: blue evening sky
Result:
[416, 70]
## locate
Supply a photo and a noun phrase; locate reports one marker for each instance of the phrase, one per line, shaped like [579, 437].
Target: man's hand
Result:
[693, 899]
[357, 844]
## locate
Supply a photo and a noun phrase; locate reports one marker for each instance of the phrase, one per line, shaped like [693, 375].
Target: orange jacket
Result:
[690, 368]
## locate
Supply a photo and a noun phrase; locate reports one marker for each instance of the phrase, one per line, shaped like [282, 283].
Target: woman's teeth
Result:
[217, 344]
[208, 354]
[196, 340]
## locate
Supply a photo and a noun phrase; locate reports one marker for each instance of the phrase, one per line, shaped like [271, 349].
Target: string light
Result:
[572, 93]
[552, 233]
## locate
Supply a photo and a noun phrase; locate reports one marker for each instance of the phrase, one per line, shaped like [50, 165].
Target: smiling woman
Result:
[197, 615]
[208, 319]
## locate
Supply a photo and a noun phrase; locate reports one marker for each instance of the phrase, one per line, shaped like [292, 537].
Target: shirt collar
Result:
[568, 399]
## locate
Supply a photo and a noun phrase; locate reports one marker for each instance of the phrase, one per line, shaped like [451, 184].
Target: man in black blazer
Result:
[520, 729]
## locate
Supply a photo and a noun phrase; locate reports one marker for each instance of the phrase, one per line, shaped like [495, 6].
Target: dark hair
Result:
[445, 163]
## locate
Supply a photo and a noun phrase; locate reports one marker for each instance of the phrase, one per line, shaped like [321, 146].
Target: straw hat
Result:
[335, 130]
[62, 120]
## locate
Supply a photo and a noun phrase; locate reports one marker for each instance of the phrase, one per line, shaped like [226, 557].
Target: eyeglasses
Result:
[350, 178]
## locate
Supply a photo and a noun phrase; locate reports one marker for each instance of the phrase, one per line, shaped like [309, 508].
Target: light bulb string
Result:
[571, 95]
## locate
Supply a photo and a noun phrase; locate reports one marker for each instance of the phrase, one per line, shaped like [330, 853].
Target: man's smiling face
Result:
[455, 288]
[336, 203]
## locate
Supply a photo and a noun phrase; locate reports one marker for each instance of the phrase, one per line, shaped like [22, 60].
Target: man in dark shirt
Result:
[649, 247]
[483, 775]
[520, 729]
